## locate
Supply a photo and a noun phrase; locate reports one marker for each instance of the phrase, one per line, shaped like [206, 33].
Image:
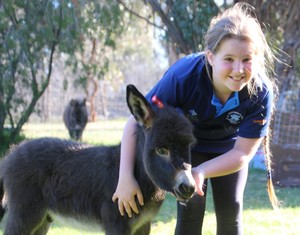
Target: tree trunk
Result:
[291, 44]
[93, 96]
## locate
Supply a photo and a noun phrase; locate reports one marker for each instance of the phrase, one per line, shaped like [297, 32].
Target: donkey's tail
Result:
[270, 187]
[2, 209]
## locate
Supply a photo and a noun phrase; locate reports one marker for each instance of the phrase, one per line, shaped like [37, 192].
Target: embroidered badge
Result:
[192, 114]
[234, 117]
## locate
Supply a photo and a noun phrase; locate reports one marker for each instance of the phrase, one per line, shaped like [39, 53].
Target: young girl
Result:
[228, 95]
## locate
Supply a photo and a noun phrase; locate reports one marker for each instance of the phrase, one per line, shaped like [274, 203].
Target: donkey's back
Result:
[48, 178]
[53, 176]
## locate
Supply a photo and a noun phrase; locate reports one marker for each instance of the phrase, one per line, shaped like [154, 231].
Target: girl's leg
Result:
[190, 216]
[228, 193]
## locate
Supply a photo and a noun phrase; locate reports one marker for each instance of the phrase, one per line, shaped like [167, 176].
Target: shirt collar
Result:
[231, 103]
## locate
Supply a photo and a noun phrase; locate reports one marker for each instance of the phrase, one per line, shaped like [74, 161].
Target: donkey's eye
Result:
[162, 152]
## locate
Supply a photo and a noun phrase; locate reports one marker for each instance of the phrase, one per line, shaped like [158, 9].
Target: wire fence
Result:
[287, 117]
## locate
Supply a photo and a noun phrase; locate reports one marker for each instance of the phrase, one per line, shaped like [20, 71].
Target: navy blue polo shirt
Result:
[187, 87]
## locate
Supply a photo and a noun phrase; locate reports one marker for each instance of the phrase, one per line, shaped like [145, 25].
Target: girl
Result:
[228, 95]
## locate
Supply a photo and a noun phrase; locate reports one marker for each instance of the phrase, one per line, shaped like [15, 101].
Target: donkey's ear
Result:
[139, 106]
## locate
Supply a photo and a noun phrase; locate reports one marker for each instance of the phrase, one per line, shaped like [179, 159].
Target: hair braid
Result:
[268, 161]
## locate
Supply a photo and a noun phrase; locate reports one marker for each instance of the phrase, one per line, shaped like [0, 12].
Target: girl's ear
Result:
[210, 57]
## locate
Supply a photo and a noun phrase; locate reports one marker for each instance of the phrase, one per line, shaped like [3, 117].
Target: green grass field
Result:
[259, 218]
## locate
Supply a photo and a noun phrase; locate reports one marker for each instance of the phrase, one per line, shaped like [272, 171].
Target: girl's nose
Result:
[238, 67]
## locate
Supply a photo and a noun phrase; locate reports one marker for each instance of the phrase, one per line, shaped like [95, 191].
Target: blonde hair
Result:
[240, 22]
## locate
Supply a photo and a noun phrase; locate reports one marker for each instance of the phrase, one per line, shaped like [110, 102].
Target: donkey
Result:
[48, 177]
[75, 117]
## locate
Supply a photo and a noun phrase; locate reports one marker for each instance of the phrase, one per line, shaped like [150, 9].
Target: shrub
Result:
[7, 142]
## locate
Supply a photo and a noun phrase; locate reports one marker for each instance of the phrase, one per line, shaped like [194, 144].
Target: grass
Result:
[259, 218]
[104, 132]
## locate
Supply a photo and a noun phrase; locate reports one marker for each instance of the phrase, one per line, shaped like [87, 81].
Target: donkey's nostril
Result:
[187, 190]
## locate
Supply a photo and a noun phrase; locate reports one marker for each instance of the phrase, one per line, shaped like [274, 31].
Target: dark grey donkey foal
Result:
[46, 177]
[76, 117]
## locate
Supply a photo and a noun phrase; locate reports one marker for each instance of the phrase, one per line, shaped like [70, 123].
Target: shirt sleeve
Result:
[179, 82]
[258, 118]
[165, 91]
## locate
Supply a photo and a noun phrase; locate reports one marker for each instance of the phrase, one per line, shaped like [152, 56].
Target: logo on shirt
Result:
[192, 114]
[234, 117]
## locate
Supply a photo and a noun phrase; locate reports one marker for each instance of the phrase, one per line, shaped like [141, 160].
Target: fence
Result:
[286, 136]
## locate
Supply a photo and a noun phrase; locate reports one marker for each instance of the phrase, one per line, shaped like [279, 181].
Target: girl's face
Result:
[232, 66]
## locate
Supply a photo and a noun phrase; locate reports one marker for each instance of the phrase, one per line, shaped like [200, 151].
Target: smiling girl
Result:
[228, 94]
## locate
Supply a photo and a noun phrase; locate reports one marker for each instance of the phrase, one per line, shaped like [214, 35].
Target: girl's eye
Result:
[246, 60]
[162, 152]
[229, 59]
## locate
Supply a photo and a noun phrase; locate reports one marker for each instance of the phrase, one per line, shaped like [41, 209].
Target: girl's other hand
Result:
[126, 192]
[199, 177]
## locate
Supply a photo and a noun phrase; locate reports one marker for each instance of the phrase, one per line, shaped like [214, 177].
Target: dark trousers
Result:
[227, 194]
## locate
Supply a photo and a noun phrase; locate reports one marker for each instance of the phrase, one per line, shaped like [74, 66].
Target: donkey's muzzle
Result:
[184, 192]
[185, 186]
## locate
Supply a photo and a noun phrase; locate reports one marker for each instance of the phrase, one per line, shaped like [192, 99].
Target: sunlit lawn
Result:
[259, 218]
[106, 132]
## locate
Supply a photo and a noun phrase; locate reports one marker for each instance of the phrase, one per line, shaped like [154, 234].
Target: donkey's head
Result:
[168, 141]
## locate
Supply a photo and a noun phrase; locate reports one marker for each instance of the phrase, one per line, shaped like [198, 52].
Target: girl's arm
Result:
[227, 163]
[128, 187]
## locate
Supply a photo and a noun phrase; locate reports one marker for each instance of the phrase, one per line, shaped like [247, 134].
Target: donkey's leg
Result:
[114, 231]
[144, 230]
[117, 228]
[44, 227]
[23, 220]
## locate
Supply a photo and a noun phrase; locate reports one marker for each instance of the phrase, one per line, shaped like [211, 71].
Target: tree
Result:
[30, 33]
[101, 24]
[181, 25]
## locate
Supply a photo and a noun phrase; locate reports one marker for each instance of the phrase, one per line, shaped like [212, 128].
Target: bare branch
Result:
[139, 16]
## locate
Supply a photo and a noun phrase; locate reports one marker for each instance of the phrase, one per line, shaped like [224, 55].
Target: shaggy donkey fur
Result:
[46, 177]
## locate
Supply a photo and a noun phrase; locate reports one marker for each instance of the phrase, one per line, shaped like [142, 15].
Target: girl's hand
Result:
[125, 193]
[199, 177]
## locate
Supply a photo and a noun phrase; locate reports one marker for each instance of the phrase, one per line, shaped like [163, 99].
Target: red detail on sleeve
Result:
[157, 101]
[260, 122]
